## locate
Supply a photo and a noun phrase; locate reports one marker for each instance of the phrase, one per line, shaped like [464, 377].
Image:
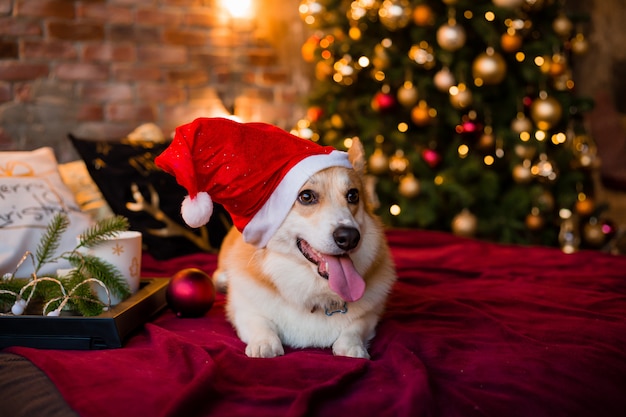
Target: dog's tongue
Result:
[343, 278]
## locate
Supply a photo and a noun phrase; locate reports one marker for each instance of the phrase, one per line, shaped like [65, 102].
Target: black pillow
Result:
[134, 187]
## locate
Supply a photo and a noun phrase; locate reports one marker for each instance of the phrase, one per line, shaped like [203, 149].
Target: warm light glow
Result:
[239, 9]
[559, 138]
[355, 33]
[395, 210]
[540, 135]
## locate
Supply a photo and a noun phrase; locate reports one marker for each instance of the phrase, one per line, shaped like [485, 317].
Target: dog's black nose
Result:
[346, 237]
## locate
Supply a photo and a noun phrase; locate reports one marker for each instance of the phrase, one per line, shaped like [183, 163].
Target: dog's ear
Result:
[356, 155]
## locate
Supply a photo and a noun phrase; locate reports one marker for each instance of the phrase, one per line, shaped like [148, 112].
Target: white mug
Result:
[123, 250]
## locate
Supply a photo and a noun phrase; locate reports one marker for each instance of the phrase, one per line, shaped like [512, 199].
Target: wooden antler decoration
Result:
[171, 227]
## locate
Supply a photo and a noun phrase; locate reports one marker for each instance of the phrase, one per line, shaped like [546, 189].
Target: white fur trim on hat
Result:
[197, 211]
[269, 217]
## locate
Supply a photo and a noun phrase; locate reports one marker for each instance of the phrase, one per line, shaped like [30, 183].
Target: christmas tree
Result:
[467, 110]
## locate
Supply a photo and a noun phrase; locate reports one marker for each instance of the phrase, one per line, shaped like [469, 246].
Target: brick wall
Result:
[99, 68]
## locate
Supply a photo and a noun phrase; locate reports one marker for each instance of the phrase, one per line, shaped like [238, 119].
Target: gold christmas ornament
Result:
[423, 15]
[525, 151]
[444, 79]
[345, 71]
[569, 236]
[546, 111]
[533, 5]
[378, 163]
[323, 70]
[381, 57]
[464, 224]
[461, 97]
[489, 67]
[398, 163]
[579, 44]
[564, 81]
[311, 11]
[558, 66]
[544, 169]
[521, 123]
[534, 220]
[593, 234]
[585, 150]
[409, 186]
[361, 8]
[423, 55]
[309, 47]
[511, 42]
[521, 173]
[508, 4]
[562, 26]
[451, 36]
[585, 206]
[486, 140]
[420, 115]
[407, 94]
[336, 121]
[395, 14]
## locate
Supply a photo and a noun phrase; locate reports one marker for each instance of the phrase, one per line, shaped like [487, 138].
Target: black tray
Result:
[107, 330]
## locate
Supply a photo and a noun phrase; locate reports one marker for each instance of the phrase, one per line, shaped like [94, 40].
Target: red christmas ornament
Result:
[383, 101]
[431, 157]
[314, 113]
[469, 128]
[609, 230]
[190, 293]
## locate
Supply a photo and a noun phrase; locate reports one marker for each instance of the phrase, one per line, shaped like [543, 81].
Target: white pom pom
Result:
[197, 211]
[19, 307]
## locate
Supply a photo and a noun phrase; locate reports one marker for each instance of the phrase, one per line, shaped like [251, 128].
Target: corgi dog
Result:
[323, 278]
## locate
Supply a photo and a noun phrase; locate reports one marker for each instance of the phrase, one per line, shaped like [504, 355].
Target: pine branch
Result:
[94, 267]
[102, 230]
[84, 300]
[50, 241]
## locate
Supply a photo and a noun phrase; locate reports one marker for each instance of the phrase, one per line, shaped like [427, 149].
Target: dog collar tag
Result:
[342, 310]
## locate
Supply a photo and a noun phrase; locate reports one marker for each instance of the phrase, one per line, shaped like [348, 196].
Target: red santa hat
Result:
[254, 170]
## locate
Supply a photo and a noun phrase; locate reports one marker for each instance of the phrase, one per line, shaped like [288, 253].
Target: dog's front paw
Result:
[265, 348]
[354, 350]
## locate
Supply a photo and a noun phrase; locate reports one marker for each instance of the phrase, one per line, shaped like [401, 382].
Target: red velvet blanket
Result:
[471, 329]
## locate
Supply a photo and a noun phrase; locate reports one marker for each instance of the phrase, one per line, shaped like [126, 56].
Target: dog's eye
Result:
[352, 196]
[307, 197]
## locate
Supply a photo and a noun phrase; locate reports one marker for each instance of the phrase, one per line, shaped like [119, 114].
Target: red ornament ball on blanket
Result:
[190, 293]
